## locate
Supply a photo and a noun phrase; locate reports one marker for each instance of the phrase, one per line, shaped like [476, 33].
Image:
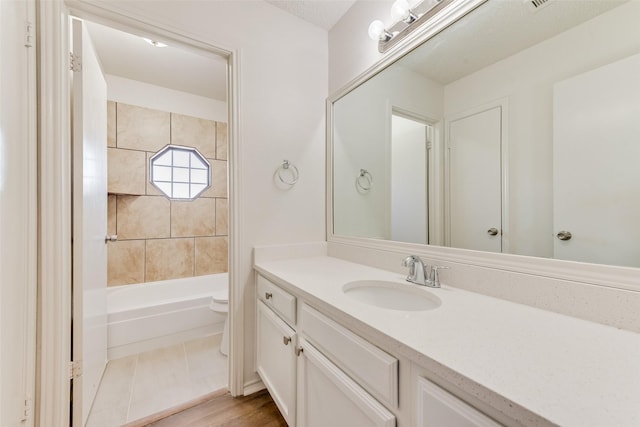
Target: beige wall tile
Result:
[193, 218]
[111, 124]
[111, 214]
[222, 141]
[143, 217]
[126, 171]
[125, 262]
[212, 255]
[194, 132]
[151, 189]
[169, 259]
[222, 217]
[218, 179]
[141, 128]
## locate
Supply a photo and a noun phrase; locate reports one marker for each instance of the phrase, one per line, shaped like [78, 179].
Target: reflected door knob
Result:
[564, 235]
[492, 231]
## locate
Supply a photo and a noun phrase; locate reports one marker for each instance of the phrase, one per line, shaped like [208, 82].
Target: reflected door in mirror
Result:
[474, 180]
[596, 140]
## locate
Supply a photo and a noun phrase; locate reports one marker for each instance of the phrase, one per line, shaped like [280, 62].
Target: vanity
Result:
[467, 359]
[523, 181]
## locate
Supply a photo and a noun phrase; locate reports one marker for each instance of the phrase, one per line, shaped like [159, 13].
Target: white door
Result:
[474, 177]
[409, 195]
[276, 360]
[596, 168]
[89, 223]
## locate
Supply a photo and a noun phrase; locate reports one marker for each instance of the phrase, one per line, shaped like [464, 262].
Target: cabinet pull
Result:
[299, 350]
[286, 340]
[268, 295]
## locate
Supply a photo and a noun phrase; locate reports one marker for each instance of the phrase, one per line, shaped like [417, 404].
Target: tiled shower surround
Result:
[158, 238]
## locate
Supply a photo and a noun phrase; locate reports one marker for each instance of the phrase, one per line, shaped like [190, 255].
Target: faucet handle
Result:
[434, 276]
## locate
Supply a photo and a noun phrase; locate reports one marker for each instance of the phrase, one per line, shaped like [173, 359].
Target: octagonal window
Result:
[180, 172]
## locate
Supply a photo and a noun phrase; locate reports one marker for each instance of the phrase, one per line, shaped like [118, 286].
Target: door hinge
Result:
[28, 401]
[75, 62]
[75, 369]
[29, 34]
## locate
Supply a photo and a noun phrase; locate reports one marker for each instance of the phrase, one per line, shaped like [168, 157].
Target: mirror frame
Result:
[618, 277]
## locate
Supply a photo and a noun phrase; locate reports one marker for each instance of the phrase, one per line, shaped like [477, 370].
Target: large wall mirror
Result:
[514, 130]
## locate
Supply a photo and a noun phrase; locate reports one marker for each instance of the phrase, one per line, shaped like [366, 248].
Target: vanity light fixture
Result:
[154, 43]
[406, 16]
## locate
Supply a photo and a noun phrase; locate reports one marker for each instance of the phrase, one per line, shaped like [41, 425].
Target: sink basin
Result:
[391, 295]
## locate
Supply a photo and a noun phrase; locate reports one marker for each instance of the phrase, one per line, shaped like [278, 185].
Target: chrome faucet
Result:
[418, 272]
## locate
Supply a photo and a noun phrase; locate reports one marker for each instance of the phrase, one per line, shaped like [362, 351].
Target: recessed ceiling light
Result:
[154, 42]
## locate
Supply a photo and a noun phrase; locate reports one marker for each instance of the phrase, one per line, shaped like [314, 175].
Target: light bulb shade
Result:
[414, 3]
[376, 30]
[400, 10]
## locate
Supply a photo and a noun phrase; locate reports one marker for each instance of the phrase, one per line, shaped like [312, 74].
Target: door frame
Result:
[55, 267]
[503, 104]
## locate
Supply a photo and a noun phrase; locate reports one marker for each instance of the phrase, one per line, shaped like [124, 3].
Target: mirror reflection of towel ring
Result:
[364, 181]
[287, 173]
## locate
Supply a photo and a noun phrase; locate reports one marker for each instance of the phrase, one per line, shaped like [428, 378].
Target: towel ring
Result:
[364, 180]
[287, 168]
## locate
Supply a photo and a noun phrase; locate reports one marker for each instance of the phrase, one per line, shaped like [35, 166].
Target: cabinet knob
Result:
[268, 295]
[299, 350]
[286, 340]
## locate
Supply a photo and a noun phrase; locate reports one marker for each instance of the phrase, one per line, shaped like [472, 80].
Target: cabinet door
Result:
[437, 407]
[276, 360]
[328, 397]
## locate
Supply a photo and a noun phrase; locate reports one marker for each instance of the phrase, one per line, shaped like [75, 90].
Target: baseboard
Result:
[253, 387]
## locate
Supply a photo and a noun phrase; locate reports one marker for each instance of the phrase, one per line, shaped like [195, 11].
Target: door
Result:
[409, 172]
[596, 148]
[474, 181]
[276, 360]
[89, 223]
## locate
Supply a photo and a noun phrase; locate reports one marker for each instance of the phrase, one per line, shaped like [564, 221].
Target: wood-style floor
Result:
[220, 409]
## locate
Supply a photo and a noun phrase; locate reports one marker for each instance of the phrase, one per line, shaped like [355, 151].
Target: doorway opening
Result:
[411, 142]
[150, 272]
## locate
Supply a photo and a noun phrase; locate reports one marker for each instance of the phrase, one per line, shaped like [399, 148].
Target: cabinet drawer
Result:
[371, 367]
[278, 299]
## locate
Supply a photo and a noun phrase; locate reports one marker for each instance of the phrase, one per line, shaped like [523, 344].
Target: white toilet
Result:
[220, 304]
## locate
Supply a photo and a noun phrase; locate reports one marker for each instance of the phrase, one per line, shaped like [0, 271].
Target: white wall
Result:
[351, 51]
[133, 92]
[18, 187]
[364, 120]
[283, 77]
[527, 80]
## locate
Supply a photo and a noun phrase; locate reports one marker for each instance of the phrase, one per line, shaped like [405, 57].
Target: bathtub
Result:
[151, 315]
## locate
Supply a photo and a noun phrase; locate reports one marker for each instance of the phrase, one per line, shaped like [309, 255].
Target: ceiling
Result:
[323, 13]
[192, 71]
[495, 31]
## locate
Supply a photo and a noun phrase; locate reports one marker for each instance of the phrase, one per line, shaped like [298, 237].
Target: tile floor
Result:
[136, 386]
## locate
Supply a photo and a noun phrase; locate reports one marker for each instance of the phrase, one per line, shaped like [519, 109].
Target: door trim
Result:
[54, 337]
[503, 104]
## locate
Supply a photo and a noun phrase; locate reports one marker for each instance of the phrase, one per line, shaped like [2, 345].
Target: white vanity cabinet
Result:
[276, 359]
[321, 374]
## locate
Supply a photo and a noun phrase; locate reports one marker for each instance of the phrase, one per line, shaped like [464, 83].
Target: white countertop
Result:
[567, 371]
